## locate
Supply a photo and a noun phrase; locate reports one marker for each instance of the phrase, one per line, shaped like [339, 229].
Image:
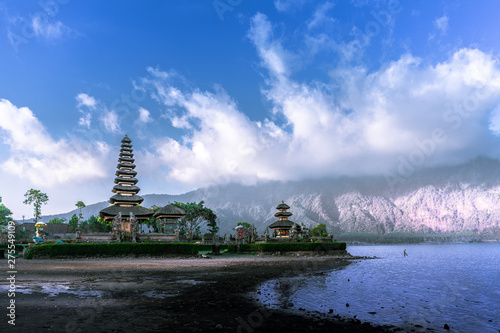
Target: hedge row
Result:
[287, 247]
[110, 249]
[208, 247]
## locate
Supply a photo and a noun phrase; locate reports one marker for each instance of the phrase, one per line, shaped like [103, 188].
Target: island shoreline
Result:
[174, 294]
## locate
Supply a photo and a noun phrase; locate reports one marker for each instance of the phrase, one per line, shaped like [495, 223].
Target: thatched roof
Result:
[126, 159]
[137, 199]
[284, 224]
[283, 214]
[140, 212]
[132, 188]
[282, 205]
[126, 139]
[126, 180]
[169, 211]
[125, 165]
[121, 172]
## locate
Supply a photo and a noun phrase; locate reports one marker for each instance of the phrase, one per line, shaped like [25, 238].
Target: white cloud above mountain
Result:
[359, 123]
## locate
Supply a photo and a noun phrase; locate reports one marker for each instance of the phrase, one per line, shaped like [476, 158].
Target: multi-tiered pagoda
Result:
[126, 201]
[283, 227]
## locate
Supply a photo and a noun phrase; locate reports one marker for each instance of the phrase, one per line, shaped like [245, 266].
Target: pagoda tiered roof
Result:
[283, 223]
[126, 180]
[121, 172]
[282, 205]
[126, 165]
[126, 200]
[139, 212]
[123, 188]
[126, 159]
[283, 214]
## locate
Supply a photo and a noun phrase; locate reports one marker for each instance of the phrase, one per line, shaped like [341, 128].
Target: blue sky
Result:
[212, 92]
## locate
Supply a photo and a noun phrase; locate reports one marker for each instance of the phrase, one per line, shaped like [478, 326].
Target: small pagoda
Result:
[283, 227]
[125, 203]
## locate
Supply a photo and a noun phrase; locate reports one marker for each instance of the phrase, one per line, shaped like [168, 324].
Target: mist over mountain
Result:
[448, 199]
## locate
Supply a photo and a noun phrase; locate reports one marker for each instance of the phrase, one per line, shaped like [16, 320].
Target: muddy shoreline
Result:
[168, 294]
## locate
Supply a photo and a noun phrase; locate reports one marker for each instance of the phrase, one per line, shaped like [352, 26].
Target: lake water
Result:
[453, 284]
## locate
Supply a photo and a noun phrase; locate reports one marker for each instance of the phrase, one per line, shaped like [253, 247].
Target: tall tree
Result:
[37, 198]
[80, 205]
[196, 216]
[4, 214]
[73, 223]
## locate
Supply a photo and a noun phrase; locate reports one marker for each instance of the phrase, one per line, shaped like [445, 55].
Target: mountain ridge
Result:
[464, 197]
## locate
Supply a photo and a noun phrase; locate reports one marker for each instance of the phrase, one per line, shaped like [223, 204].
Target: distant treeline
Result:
[415, 238]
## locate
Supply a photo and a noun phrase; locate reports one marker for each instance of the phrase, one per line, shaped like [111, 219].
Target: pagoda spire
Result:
[125, 188]
[126, 200]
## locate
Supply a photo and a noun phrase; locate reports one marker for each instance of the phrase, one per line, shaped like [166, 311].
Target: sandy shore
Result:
[167, 294]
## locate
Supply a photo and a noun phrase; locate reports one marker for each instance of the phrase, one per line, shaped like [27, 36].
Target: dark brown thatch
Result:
[283, 224]
[140, 212]
[282, 205]
[131, 199]
[283, 214]
[169, 211]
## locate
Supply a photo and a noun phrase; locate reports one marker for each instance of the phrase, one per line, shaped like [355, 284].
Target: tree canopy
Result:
[56, 220]
[4, 214]
[37, 198]
[319, 230]
[73, 223]
[196, 216]
[80, 205]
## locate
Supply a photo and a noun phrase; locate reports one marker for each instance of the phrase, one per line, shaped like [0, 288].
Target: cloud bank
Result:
[36, 156]
[359, 122]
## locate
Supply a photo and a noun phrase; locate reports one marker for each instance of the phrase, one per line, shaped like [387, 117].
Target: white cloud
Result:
[85, 120]
[49, 30]
[85, 105]
[222, 142]
[144, 116]
[380, 116]
[320, 15]
[361, 123]
[86, 100]
[441, 24]
[37, 157]
[110, 121]
[271, 52]
[289, 5]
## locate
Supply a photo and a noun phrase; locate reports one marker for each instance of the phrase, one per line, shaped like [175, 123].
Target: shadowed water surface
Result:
[454, 284]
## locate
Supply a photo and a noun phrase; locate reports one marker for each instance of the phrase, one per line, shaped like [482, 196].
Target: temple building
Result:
[167, 219]
[283, 227]
[126, 203]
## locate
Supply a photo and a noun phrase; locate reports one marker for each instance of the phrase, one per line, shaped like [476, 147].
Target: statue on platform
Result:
[294, 232]
[133, 227]
[117, 226]
[266, 235]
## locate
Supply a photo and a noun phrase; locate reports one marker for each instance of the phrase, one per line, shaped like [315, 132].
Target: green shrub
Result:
[207, 247]
[113, 249]
[287, 247]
